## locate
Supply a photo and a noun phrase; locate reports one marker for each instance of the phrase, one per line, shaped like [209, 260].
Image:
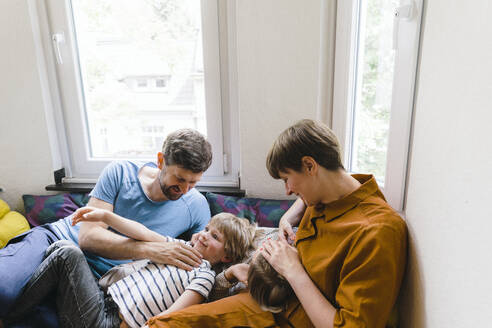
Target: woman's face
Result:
[299, 183]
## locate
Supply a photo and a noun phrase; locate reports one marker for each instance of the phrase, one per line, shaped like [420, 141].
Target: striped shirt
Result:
[155, 287]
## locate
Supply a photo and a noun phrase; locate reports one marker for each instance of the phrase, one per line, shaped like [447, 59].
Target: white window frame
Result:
[62, 89]
[406, 37]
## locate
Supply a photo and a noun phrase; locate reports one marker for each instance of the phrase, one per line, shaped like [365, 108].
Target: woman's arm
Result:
[291, 218]
[285, 260]
[129, 228]
[317, 307]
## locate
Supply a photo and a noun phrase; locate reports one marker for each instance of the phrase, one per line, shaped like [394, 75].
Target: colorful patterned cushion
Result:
[234, 205]
[266, 212]
[46, 209]
[269, 211]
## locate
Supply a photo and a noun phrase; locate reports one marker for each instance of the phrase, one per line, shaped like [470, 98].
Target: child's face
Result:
[210, 243]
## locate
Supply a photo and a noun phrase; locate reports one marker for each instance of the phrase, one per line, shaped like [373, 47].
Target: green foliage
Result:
[373, 110]
[177, 22]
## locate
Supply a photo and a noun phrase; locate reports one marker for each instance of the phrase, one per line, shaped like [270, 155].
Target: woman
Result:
[350, 252]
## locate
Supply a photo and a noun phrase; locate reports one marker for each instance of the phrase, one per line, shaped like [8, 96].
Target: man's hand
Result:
[173, 253]
[194, 238]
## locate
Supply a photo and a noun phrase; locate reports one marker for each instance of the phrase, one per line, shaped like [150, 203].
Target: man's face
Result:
[176, 181]
[210, 243]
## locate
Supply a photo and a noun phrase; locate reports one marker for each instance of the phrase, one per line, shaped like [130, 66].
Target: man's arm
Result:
[95, 237]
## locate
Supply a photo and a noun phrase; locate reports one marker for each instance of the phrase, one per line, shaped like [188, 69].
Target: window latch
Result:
[57, 39]
[401, 13]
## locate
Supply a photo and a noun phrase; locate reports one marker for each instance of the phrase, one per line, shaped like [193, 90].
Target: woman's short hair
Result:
[239, 235]
[267, 286]
[188, 149]
[305, 138]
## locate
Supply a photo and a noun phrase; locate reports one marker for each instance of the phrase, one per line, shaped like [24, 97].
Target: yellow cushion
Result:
[11, 225]
[4, 208]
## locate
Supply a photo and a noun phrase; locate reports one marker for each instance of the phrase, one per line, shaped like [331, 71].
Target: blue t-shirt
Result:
[119, 185]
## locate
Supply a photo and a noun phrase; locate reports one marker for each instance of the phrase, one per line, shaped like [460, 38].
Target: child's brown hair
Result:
[267, 286]
[239, 235]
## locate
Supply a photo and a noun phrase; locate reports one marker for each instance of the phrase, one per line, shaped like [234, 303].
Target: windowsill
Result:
[87, 187]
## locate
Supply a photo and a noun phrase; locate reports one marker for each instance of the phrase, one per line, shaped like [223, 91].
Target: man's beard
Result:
[171, 192]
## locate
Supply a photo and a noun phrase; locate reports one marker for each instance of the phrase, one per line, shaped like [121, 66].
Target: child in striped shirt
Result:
[152, 290]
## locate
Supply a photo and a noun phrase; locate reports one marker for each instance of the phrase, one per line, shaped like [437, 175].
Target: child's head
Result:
[226, 239]
[267, 286]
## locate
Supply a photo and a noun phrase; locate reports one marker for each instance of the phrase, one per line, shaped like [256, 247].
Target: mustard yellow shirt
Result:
[355, 250]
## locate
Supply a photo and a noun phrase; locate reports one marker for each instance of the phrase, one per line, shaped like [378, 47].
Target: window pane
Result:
[142, 72]
[373, 88]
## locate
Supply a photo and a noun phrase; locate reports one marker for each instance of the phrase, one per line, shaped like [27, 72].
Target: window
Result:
[141, 83]
[129, 72]
[160, 83]
[375, 67]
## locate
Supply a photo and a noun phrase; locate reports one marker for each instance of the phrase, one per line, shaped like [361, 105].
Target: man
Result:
[161, 197]
[350, 247]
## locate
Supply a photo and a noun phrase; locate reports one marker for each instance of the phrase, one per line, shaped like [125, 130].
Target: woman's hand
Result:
[89, 214]
[237, 272]
[285, 230]
[283, 258]
[291, 218]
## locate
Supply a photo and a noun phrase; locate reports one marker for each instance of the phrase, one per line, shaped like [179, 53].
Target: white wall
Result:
[278, 44]
[278, 57]
[449, 282]
[25, 156]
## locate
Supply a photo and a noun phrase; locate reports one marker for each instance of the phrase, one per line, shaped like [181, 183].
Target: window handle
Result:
[401, 13]
[57, 39]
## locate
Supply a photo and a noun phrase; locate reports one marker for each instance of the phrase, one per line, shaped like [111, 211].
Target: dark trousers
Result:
[79, 300]
[18, 261]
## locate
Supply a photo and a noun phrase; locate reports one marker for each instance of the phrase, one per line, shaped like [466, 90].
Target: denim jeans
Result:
[79, 300]
[19, 260]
